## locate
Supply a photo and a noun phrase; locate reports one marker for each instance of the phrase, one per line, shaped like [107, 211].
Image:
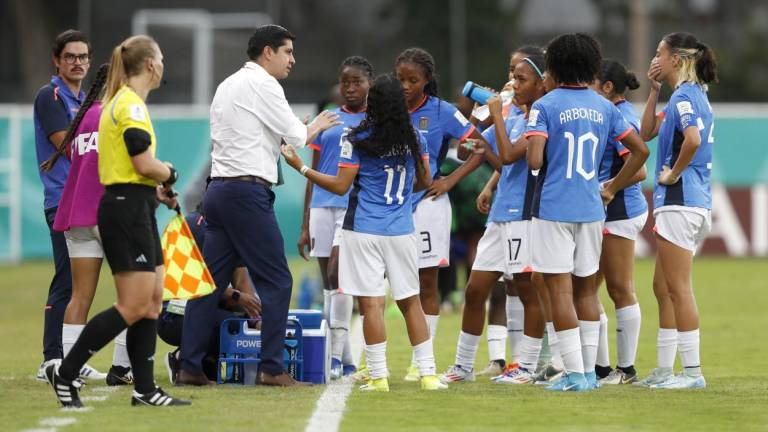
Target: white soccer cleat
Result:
[517, 375]
[493, 369]
[657, 376]
[40, 376]
[88, 372]
[681, 381]
[548, 375]
[456, 373]
[618, 377]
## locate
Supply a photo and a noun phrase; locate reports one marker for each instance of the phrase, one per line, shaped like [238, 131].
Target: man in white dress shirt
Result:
[250, 118]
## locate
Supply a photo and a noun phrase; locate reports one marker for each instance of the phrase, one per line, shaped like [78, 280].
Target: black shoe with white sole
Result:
[66, 391]
[157, 398]
[119, 375]
[172, 365]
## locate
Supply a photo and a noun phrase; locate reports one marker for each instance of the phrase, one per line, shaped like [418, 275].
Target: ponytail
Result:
[127, 59]
[93, 93]
[706, 64]
[618, 74]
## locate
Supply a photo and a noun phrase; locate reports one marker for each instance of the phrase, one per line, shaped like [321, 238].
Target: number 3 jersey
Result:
[380, 200]
[688, 107]
[577, 123]
[328, 143]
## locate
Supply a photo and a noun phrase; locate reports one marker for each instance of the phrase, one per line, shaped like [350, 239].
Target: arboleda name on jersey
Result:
[581, 113]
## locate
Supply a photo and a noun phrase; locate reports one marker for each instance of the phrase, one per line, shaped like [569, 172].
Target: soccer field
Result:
[731, 297]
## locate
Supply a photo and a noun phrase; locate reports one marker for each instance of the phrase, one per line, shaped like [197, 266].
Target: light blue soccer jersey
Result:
[438, 121]
[328, 143]
[577, 123]
[380, 200]
[688, 107]
[512, 201]
[630, 202]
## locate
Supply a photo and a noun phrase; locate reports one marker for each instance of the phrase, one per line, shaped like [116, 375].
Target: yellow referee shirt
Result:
[126, 110]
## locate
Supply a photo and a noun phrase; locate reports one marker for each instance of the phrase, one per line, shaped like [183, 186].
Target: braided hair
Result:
[424, 60]
[386, 129]
[93, 93]
[358, 62]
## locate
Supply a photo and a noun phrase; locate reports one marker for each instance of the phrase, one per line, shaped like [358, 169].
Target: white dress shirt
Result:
[249, 118]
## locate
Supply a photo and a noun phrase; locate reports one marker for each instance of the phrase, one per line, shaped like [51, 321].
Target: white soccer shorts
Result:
[505, 248]
[433, 226]
[84, 242]
[364, 260]
[627, 228]
[686, 227]
[566, 247]
[325, 229]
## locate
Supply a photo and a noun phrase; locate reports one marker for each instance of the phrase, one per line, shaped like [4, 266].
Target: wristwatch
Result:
[235, 296]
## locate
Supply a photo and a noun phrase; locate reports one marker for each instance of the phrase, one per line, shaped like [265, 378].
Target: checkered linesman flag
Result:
[186, 275]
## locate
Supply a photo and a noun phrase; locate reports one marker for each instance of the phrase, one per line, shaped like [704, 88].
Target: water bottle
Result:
[481, 96]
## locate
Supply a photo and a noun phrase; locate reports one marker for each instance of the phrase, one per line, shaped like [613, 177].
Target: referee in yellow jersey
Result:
[135, 181]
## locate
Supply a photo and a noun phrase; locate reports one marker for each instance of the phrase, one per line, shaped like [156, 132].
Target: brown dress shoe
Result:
[193, 379]
[282, 380]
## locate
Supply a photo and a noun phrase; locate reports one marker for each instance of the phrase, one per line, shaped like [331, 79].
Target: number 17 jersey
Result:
[577, 123]
[380, 200]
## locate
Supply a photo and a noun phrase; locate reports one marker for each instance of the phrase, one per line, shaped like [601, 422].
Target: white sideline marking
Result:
[58, 421]
[94, 398]
[40, 430]
[105, 389]
[330, 407]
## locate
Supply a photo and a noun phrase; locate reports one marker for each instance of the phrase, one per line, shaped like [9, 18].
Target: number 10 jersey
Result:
[577, 123]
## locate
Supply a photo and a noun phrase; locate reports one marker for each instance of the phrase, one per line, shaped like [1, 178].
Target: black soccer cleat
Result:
[157, 398]
[66, 391]
[119, 375]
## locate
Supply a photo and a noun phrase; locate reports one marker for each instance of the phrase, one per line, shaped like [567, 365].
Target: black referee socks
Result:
[101, 329]
[141, 342]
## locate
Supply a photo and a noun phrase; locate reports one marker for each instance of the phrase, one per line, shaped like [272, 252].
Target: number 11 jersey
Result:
[380, 200]
[577, 123]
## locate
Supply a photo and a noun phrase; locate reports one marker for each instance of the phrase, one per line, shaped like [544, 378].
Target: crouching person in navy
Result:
[238, 300]
[250, 117]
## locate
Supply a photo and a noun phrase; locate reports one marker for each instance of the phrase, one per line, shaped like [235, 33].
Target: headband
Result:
[533, 65]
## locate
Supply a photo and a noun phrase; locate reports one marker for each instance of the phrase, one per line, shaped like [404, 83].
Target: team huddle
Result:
[564, 209]
[568, 153]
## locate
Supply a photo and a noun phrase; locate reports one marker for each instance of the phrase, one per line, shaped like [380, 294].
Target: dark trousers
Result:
[59, 292]
[241, 228]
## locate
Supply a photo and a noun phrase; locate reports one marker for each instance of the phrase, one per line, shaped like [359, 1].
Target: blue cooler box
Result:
[316, 340]
[317, 345]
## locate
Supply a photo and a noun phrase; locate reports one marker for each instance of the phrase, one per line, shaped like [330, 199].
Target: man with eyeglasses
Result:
[56, 104]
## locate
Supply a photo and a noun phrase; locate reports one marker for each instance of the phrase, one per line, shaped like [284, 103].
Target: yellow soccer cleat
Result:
[376, 385]
[412, 374]
[431, 382]
[361, 375]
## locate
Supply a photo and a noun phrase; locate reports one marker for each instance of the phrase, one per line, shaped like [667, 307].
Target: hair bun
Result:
[632, 82]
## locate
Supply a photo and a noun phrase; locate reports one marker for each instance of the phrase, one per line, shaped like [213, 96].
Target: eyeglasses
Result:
[72, 58]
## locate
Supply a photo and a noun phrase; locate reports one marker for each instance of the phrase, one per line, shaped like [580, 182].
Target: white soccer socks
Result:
[497, 340]
[666, 348]
[688, 345]
[432, 321]
[466, 350]
[529, 352]
[120, 356]
[376, 360]
[69, 335]
[569, 345]
[340, 318]
[589, 331]
[425, 358]
[628, 321]
[603, 358]
[557, 359]
[515, 320]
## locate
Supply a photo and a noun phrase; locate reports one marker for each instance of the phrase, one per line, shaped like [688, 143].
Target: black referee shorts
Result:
[128, 228]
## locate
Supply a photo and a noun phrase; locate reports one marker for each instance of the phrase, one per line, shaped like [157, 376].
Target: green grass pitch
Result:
[732, 300]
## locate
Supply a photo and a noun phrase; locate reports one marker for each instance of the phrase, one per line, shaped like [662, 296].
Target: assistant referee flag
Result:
[186, 275]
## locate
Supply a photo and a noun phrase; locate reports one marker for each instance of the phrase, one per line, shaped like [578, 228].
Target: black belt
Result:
[245, 178]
